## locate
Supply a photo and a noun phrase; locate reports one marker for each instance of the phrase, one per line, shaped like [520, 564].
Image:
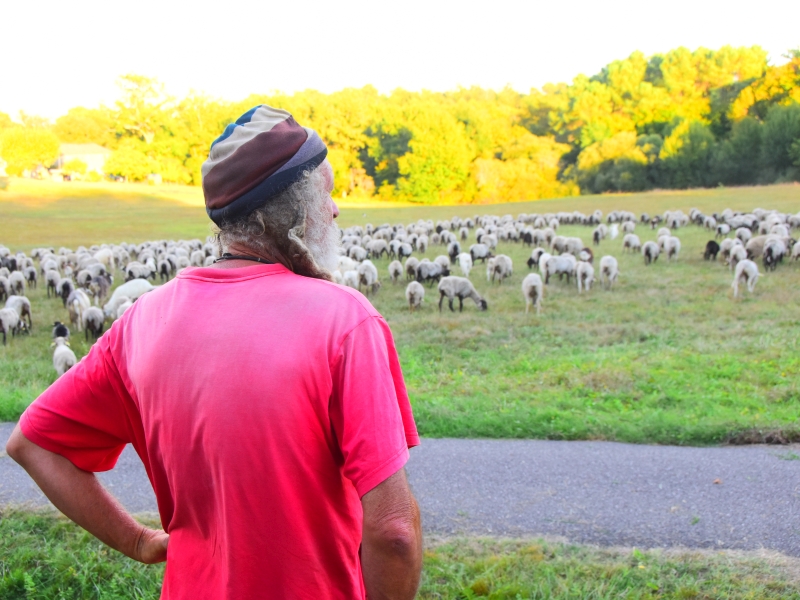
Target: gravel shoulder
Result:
[605, 493]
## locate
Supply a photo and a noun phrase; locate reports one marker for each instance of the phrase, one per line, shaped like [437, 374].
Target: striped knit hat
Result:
[255, 159]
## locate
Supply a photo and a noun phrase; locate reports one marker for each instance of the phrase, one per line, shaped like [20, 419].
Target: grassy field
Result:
[666, 357]
[46, 557]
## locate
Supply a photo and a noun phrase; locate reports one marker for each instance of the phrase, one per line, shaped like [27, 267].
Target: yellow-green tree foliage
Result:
[680, 119]
[27, 148]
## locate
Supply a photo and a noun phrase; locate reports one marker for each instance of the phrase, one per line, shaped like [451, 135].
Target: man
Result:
[266, 402]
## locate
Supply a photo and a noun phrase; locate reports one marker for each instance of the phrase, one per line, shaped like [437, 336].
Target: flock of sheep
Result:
[82, 279]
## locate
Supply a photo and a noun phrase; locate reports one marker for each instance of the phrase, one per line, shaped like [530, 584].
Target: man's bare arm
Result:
[79, 495]
[391, 551]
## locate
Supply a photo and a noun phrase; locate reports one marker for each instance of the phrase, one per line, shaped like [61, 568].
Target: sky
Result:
[57, 56]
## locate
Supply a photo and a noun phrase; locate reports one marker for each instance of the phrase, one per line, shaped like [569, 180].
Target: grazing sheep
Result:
[368, 277]
[123, 307]
[92, 320]
[744, 234]
[99, 287]
[63, 358]
[737, 254]
[544, 257]
[631, 242]
[422, 244]
[165, 268]
[584, 273]
[559, 265]
[346, 264]
[536, 254]
[500, 267]
[23, 307]
[64, 288]
[31, 277]
[443, 261]
[628, 227]
[723, 229]
[774, 251]
[609, 271]
[726, 245]
[671, 247]
[415, 294]
[796, 251]
[746, 270]
[532, 291]
[5, 287]
[10, 323]
[711, 251]
[395, 271]
[430, 271]
[17, 281]
[357, 253]
[129, 290]
[465, 263]
[51, 279]
[613, 231]
[459, 287]
[60, 330]
[755, 246]
[351, 279]
[412, 263]
[377, 248]
[479, 252]
[586, 255]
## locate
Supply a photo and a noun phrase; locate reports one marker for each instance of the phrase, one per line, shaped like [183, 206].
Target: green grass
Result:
[666, 357]
[45, 556]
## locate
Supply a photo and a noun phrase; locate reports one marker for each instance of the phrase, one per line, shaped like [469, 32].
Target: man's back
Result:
[259, 424]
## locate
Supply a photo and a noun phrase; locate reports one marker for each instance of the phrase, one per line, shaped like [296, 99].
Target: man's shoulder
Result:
[342, 296]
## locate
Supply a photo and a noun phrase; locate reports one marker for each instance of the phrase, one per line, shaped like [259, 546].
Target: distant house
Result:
[93, 156]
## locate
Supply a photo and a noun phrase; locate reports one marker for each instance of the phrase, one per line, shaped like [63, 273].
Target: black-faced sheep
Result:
[63, 358]
[60, 330]
[532, 291]
[459, 287]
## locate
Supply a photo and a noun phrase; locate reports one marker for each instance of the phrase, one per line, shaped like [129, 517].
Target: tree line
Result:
[675, 120]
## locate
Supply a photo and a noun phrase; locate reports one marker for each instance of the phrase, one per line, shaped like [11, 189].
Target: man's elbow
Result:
[16, 445]
[400, 534]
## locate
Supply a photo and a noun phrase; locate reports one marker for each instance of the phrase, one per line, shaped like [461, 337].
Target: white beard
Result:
[323, 241]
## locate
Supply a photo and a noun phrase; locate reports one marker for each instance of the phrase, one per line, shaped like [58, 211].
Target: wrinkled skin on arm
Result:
[391, 550]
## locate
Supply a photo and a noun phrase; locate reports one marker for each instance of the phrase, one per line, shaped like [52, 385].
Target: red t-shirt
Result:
[263, 405]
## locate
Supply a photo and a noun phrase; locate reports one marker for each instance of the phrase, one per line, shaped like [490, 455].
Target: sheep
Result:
[52, 279]
[443, 261]
[609, 271]
[532, 292]
[123, 307]
[459, 287]
[60, 330]
[10, 322]
[377, 248]
[737, 254]
[92, 320]
[745, 270]
[479, 252]
[536, 254]
[346, 264]
[63, 358]
[422, 244]
[23, 307]
[351, 278]
[17, 281]
[543, 258]
[613, 231]
[663, 232]
[395, 270]
[165, 268]
[64, 288]
[774, 251]
[559, 265]
[744, 234]
[584, 273]
[357, 253]
[5, 287]
[368, 277]
[499, 266]
[31, 277]
[631, 242]
[796, 251]
[755, 246]
[453, 250]
[711, 251]
[130, 290]
[415, 294]
[430, 271]
[723, 229]
[465, 263]
[586, 255]
[412, 263]
[99, 286]
[77, 303]
[628, 227]
[671, 247]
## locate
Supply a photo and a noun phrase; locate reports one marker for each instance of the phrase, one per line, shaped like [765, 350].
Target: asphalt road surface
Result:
[745, 497]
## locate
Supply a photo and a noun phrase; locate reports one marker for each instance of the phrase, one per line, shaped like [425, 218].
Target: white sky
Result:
[56, 55]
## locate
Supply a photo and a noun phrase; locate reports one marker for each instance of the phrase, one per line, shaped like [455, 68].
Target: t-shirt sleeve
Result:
[370, 411]
[85, 415]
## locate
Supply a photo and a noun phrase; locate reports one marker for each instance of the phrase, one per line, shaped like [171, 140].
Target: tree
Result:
[141, 111]
[737, 160]
[130, 162]
[26, 148]
[686, 155]
[83, 125]
[5, 121]
[781, 131]
[74, 167]
[616, 164]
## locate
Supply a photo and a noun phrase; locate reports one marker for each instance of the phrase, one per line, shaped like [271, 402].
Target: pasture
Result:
[667, 356]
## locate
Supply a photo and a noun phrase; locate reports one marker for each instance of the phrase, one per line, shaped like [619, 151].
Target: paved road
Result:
[597, 492]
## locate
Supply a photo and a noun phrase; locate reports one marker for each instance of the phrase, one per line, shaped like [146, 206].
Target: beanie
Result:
[255, 159]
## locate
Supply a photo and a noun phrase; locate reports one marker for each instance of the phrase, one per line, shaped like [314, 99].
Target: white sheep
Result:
[459, 287]
[465, 263]
[671, 247]
[63, 358]
[92, 320]
[130, 290]
[368, 277]
[559, 265]
[351, 278]
[746, 270]
[77, 303]
[584, 273]
[412, 263]
[5, 287]
[609, 271]
[395, 270]
[532, 291]
[479, 252]
[796, 251]
[628, 227]
[23, 307]
[499, 267]
[631, 241]
[10, 323]
[415, 294]
[17, 281]
[737, 254]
